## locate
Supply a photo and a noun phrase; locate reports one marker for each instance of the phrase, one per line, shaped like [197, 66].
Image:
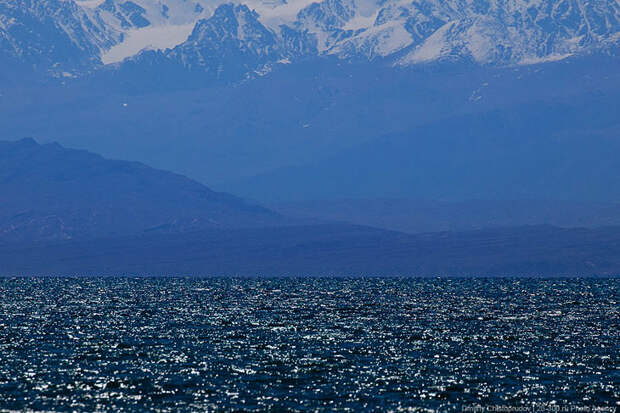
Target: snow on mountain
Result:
[145, 24]
[128, 14]
[164, 24]
[148, 38]
[412, 32]
[232, 32]
[485, 31]
[231, 44]
[513, 32]
[406, 32]
[50, 34]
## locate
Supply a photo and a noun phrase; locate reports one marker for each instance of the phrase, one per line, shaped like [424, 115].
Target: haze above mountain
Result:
[326, 129]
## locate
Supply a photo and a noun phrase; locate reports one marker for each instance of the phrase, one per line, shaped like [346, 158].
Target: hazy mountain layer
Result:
[421, 216]
[542, 151]
[328, 250]
[306, 113]
[49, 192]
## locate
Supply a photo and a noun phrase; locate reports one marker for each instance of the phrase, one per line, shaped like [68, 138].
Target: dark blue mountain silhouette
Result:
[50, 192]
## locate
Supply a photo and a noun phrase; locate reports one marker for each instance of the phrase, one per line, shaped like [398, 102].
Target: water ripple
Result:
[170, 344]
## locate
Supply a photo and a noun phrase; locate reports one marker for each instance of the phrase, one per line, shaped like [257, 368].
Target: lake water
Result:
[173, 344]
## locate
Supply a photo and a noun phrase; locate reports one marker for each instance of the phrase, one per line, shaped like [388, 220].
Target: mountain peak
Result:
[231, 21]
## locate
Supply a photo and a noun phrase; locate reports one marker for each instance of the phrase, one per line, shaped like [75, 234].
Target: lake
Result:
[308, 344]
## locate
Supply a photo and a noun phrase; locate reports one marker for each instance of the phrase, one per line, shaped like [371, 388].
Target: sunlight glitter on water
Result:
[171, 344]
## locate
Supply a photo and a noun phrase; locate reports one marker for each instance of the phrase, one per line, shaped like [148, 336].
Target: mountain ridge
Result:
[49, 192]
[402, 33]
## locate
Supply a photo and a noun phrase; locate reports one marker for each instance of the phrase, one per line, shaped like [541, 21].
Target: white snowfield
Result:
[172, 21]
[414, 31]
[148, 38]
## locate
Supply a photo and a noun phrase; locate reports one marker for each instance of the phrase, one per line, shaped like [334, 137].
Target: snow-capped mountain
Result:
[145, 24]
[50, 33]
[485, 31]
[492, 32]
[232, 44]
[248, 35]
[164, 24]
[233, 32]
